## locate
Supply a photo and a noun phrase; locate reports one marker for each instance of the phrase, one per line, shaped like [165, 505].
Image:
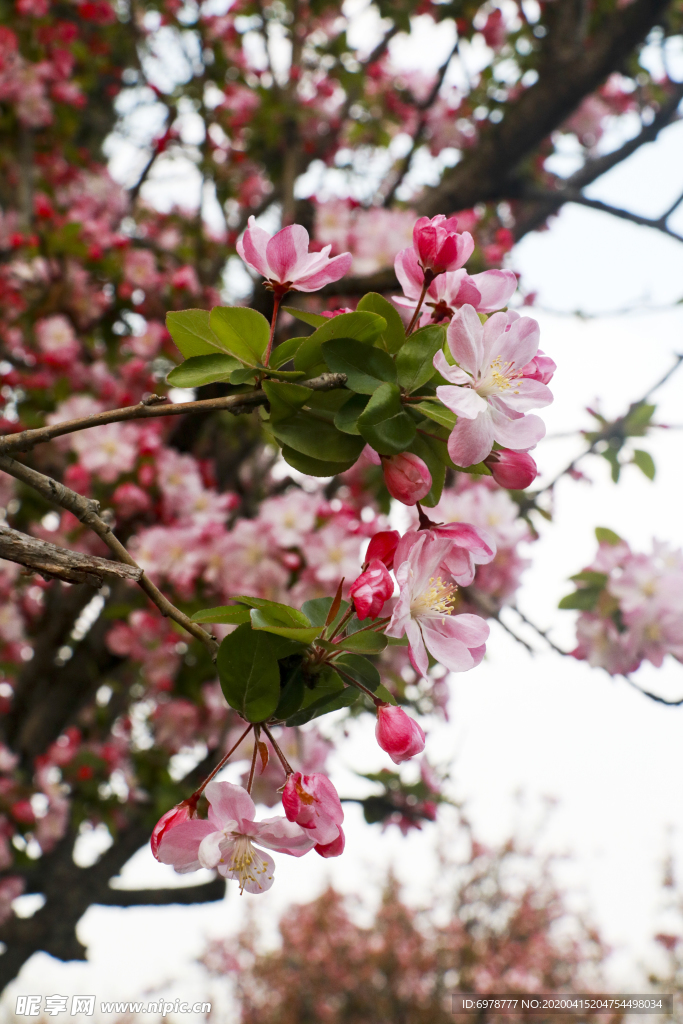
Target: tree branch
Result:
[51, 561]
[25, 440]
[208, 892]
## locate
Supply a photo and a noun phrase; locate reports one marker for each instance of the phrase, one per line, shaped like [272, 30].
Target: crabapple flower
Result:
[487, 390]
[333, 849]
[407, 477]
[286, 263]
[466, 546]
[398, 734]
[424, 611]
[182, 812]
[313, 803]
[383, 547]
[487, 292]
[438, 245]
[231, 842]
[372, 590]
[513, 470]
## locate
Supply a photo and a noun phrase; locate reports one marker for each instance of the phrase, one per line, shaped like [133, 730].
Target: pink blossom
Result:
[181, 812]
[333, 849]
[400, 736]
[464, 546]
[130, 500]
[140, 268]
[291, 516]
[57, 340]
[407, 477]
[424, 611]
[382, 546]
[330, 314]
[513, 470]
[333, 552]
[438, 245]
[313, 803]
[486, 292]
[107, 451]
[286, 263]
[371, 590]
[541, 367]
[229, 841]
[487, 390]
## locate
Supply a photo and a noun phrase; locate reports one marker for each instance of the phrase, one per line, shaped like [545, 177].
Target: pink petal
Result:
[418, 650]
[464, 402]
[520, 434]
[333, 270]
[465, 339]
[284, 836]
[452, 373]
[180, 845]
[409, 273]
[471, 440]
[520, 344]
[212, 850]
[228, 803]
[496, 288]
[528, 394]
[450, 653]
[285, 250]
[252, 248]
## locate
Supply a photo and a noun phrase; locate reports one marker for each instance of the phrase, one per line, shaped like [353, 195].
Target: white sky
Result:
[545, 726]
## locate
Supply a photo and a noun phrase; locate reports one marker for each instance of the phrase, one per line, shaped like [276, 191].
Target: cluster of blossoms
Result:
[631, 607]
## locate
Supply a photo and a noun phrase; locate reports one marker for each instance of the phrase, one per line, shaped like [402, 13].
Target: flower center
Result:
[436, 599]
[500, 377]
[246, 862]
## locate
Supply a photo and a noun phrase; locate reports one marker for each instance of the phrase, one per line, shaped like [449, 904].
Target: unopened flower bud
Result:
[182, 812]
[333, 849]
[372, 590]
[313, 803]
[400, 736]
[407, 477]
[438, 245]
[514, 470]
[383, 547]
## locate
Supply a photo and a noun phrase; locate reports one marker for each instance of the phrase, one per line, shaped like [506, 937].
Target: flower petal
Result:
[228, 803]
[451, 373]
[471, 440]
[463, 401]
[262, 871]
[465, 339]
[520, 435]
[286, 250]
[284, 836]
[496, 287]
[180, 845]
[409, 273]
[252, 248]
[213, 849]
[333, 270]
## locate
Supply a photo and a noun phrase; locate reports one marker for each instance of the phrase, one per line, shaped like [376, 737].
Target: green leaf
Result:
[394, 334]
[398, 641]
[199, 370]
[191, 332]
[346, 419]
[315, 436]
[360, 669]
[285, 399]
[317, 610]
[244, 375]
[584, 600]
[364, 327]
[241, 331]
[384, 424]
[415, 361]
[314, 319]
[329, 694]
[291, 695]
[437, 412]
[284, 621]
[249, 673]
[605, 536]
[638, 420]
[313, 467]
[224, 614]
[366, 642]
[645, 463]
[286, 375]
[593, 579]
[285, 351]
[366, 368]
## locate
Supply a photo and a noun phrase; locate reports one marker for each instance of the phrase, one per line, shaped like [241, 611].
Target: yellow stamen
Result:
[438, 598]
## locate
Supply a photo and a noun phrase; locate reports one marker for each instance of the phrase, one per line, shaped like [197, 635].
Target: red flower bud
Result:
[438, 245]
[407, 477]
[514, 470]
[182, 812]
[372, 590]
[383, 547]
[398, 734]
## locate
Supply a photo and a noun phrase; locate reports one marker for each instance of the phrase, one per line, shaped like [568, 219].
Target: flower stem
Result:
[198, 792]
[427, 281]
[253, 759]
[342, 622]
[425, 521]
[283, 760]
[277, 299]
[359, 686]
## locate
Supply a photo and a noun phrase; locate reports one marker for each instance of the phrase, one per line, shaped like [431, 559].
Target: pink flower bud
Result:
[333, 849]
[407, 477]
[541, 367]
[514, 470]
[313, 803]
[438, 245]
[383, 547]
[182, 812]
[372, 590]
[398, 734]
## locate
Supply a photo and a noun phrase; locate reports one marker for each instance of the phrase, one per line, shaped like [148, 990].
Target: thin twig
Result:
[25, 440]
[87, 511]
[541, 632]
